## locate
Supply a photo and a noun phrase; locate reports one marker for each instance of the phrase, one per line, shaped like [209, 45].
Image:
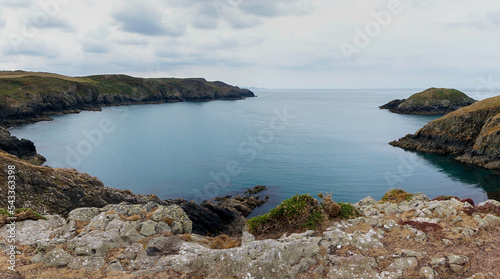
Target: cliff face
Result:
[472, 132]
[30, 98]
[430, 101]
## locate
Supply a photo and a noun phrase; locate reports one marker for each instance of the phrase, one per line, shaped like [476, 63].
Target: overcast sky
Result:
[260, 43]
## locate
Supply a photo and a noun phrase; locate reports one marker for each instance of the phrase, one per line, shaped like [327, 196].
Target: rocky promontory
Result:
[430, 101]
[412, 237]
[472, 133]
[31, 96]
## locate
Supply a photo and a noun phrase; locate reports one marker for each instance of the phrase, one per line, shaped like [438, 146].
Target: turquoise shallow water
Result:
[294, 141]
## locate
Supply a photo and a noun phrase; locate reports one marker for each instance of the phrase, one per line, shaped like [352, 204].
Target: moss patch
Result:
[396, 196]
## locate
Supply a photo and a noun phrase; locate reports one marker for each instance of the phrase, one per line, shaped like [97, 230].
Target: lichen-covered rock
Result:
[91, 263]
[30, 231]
[175, 214]
[56, 257]
[83, 214]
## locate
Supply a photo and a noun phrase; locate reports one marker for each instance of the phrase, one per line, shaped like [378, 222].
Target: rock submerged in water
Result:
[472, 133]
[430, 101]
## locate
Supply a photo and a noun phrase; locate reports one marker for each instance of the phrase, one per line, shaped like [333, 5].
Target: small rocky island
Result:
[472, 133]
[430, 101]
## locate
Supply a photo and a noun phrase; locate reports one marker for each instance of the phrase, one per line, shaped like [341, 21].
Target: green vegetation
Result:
[4, 211]
[396, 196]
[298, 213]
[435, 95]
[348, 211]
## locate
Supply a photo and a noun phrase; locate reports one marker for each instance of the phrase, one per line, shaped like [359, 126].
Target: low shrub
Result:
[396, 196]
[347, 210]
[296, 213]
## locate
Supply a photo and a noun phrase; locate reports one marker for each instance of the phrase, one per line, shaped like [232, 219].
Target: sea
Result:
[292, 141]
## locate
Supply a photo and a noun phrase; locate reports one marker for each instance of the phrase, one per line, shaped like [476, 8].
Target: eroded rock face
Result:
[22, 148]
[472, 133]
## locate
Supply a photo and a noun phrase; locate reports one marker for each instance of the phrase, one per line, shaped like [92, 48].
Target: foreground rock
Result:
[430, 101]
[417, 238]
[472, 133]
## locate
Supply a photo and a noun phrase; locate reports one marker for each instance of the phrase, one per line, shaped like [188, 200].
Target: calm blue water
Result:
[294, 141]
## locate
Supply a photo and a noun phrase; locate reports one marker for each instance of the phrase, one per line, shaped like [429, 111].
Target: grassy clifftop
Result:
[28, 96]
[430, 101]
[472, 132]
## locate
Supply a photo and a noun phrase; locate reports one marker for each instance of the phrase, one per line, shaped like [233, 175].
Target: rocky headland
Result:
[430, 101]
[472, 133]
[32, 96]
[412, 237]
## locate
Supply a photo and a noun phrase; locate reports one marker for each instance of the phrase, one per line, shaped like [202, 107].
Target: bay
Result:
[293, 141]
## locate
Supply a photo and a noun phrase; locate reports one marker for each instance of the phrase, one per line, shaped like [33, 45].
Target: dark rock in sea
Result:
[255, 190]
[24, 149]
[430, 101]
[226, 216]
[472, 133]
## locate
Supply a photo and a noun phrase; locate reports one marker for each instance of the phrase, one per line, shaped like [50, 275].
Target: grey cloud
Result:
[2, 21]
[489, 21]
[17, 3]
[57, 23]
[95, 47]
[139, 18]
[34, 47]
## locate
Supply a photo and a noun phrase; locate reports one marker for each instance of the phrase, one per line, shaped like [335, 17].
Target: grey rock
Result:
[355, 266]
[428, 273]
[411, 253]
[57, 257]
[90, 263]
[458, 269]
[468, 232]
[115, 224]
[148, 228]
[29, 232]
[163, 246]
[114, 266]
[456, 259]
[247, 237]
[83, 214]
[163, 227]
[437, 261]
[420, 236]
[368, 201]
[181, 222]
[447, 242]
[129, 233]
[101, 221]
[131, 252]
[84, 251]
[403, 263]
[99, 242]
[494, 202]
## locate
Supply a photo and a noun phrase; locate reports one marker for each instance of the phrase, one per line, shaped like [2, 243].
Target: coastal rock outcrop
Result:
[24, 149]
[430, 101]
[414, 238]
[472, 133]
